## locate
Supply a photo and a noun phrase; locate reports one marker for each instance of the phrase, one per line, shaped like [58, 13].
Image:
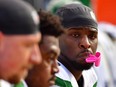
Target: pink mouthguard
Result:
[94, 59]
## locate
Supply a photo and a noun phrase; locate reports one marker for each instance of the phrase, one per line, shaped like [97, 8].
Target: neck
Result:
[77, 73]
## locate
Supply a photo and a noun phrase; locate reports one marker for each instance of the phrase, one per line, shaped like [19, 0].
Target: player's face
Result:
[76, 44]
[18, 54]
[43, 75]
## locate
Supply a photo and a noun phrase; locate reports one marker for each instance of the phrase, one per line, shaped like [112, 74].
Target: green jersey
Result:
[66, 79]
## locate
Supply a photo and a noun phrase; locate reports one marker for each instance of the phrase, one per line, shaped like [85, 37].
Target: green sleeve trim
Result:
[19, 85]
[62, 83]
[95, 85]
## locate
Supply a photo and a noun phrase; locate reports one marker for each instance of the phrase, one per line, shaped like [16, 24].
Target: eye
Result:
[93, 36]
[75, 35]
[52, 58]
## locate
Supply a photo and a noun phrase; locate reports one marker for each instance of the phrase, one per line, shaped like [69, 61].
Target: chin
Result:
[52, 82]
[87, 66]
[78, 66]
[18, 77]
[14, 80]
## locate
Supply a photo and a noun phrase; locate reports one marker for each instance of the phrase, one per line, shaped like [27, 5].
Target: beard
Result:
[80, 66]
[76, 64]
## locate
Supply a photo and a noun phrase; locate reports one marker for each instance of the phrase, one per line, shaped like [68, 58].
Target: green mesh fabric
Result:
[62, 83]
[19, 85]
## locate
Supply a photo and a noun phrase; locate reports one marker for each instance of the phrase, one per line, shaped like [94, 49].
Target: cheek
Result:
[15, 59]
[44, 69]
[94, 47]
[14, 56]
[44, 74]
[23, 54]
[19, 57]
[12, 65]
[19, 51]
[69, 47]
[47, 69]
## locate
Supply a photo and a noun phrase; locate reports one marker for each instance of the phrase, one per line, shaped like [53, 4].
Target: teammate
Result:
[19, 38]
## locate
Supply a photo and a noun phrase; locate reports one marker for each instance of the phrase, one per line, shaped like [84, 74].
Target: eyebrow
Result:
[53, 51]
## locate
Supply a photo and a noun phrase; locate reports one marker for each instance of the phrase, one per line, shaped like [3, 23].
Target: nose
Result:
[36, 57]
[55, 68]
[84, 42]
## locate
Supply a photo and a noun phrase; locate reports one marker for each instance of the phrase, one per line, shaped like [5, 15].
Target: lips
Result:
[84, 54]
[52, 80]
